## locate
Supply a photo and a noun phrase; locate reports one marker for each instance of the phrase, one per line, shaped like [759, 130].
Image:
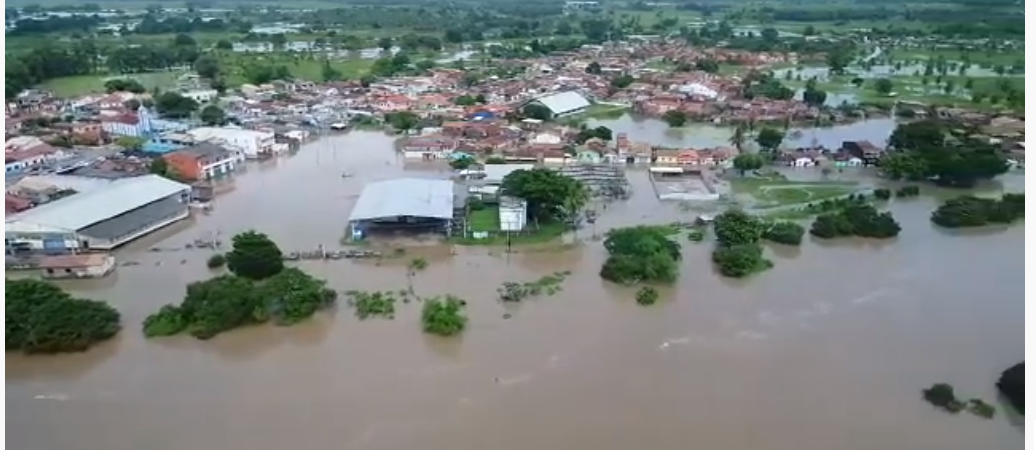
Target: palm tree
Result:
[738, 138]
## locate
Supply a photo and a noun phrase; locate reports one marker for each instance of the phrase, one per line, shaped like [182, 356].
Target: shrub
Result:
[908, 191]
[42, 318]
[856, 220]
[228, 301]
[641, 253]
[969, 211]
[787, 233]
[216, 261]
[941, 395]
[882, 194]
[443, 316]
[740, 261]
[647, 296]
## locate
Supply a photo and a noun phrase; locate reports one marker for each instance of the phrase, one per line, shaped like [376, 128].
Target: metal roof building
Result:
[564, 103]
[405, 197]
[77, 212]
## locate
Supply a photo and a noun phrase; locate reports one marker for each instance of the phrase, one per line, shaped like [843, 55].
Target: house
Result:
[91, 265]
[201, 95]
[26, 152]
[676, 157]
[866, 151]
[250, 143]
[202, 161]
[429, 148]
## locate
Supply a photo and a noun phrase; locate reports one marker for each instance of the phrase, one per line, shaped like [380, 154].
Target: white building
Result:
[252, 144]
[201, 95]
[100, 219]
[564, 103]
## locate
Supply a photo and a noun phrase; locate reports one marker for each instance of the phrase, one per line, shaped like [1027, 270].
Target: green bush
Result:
[941, 395]
[739, 261]
[647, 296]
[969, 211]
[908, 191]
[882, 194]
[787, 233]
[443, 316]
[216, 261]
[373, 304]
[857, 220]
[640, 253]
[42, 318]
[228, 301]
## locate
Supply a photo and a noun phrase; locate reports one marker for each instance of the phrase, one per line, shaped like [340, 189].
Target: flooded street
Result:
[827, 350]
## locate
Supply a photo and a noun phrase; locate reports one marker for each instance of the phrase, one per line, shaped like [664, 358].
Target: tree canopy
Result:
[969, 211]
[928, 150]
[737, 252]
[443, 316]
[548, 193]
[675, 118]
[255, 256]
[42, 318]
[769, 139]
[747, 162]
[173, 105]
[212, 115]
[226, 302]
[641, 253]
[857, 219]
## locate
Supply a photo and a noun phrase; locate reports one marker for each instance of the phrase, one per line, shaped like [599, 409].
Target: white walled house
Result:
[252, 144]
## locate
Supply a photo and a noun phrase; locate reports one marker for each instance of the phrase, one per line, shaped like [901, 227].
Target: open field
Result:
[774, 193]
[982, 58]
[94, 84]
[300, 67]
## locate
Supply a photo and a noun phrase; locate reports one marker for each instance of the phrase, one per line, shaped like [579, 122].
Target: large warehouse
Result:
[404, 204]
[100, 219]
[564, 104]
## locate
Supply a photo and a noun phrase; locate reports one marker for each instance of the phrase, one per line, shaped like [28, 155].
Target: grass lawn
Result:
[87, 84]
[304, 68]
[485, 219]
[770, 193]
[983, 58]
[488, 220]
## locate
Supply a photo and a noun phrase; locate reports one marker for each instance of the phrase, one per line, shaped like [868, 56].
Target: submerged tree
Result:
[42, 318]
[255, 256]
[443, 316]
[640, 254]
[226, 302]
[737, 252]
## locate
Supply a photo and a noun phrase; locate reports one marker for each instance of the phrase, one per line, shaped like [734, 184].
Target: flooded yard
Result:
[770, 362]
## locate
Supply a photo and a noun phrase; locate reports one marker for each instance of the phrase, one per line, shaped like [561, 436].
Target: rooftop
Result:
[82, 210]
[564, 102]
[415, 197]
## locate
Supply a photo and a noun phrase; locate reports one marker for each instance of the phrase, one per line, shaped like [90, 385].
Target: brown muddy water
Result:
[827, 350]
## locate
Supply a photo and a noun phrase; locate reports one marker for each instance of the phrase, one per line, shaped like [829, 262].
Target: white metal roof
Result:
[564, 102]
[417, 197]
[78, 211]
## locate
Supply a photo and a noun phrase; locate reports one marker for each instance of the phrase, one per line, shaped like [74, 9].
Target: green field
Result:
[768, 193]
[486, 219]
[984, 58]
[301, 67]
[94, 84]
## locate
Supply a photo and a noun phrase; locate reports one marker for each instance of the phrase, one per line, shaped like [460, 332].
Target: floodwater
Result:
[696, 135]
[827, 350]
